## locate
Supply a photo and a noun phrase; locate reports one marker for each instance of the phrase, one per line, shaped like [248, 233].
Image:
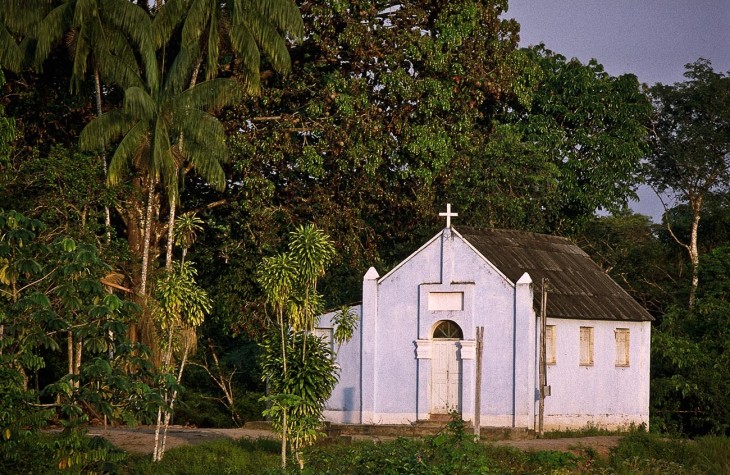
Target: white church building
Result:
[414, 355]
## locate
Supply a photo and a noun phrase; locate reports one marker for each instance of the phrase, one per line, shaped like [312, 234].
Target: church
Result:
[526, 324]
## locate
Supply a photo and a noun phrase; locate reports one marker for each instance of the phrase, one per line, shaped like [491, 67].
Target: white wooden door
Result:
[445, 377]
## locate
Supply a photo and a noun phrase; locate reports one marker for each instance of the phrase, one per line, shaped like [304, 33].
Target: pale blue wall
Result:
[344, 404]
[383, 381]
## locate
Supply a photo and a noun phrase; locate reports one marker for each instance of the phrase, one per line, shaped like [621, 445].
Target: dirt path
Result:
[142, 439]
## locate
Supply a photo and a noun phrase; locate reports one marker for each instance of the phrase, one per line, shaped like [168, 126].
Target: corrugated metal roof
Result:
[578, 287]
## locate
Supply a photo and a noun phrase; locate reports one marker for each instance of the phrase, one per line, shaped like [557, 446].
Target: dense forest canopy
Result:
[243, 121]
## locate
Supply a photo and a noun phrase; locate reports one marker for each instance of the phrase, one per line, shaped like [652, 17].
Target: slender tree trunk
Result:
[77, 363]
[694, 255]
[99, 111]
[147, 239]
[70, 351]
[168, 414]
[157, 453]
[170, 234]
[283, 406]
[173, 198]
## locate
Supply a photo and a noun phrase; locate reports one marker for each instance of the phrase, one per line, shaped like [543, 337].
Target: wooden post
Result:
[543, 356]
[478, 384]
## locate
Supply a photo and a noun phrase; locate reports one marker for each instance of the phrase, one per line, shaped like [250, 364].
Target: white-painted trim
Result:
[467, 349]
[423, 349]
[464, 240]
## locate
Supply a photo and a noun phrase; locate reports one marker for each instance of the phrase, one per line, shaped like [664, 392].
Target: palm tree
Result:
[248, 26]
[150, 124]
[100, 35]
[19, 21]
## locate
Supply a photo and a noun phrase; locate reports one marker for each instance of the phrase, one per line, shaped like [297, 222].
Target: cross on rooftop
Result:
[448, 215]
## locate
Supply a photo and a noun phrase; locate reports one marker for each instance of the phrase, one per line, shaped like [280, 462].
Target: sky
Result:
[652, 39]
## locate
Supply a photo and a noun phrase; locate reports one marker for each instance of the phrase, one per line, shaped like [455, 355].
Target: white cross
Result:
[448, 215]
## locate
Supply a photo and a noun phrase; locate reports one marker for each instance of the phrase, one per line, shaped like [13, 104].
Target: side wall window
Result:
[550, 344]
[623, 344]
[586, 346]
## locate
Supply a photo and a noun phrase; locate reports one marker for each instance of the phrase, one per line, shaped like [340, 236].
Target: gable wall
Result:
[401, 382]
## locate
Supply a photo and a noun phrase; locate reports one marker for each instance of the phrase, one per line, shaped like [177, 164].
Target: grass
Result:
[637, 453]
[218, 457]
[653, 453]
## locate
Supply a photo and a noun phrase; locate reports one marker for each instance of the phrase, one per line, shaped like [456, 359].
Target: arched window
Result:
[447, 330]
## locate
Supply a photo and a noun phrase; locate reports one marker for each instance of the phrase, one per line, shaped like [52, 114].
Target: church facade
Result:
[414, 356]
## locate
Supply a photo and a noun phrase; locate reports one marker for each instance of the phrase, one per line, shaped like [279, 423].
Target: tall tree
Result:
[247, 26]
[691, 147]
[100, 36]
[289, 282]
[577, 142]
[150, 124]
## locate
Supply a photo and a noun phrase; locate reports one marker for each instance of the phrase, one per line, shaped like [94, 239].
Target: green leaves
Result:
[590, 126]
[181, 301]
[306, 386]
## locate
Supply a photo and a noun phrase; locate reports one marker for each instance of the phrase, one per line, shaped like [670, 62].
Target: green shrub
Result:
[68, 451]
[451, 452]
[645, 446]
[250, 407]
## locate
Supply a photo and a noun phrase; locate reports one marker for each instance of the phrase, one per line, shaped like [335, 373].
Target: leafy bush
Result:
[68, 451]
[451, 452]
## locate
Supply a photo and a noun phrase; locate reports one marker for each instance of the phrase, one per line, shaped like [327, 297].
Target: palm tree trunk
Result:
[147, 239]
[170, 233]
[107, 215]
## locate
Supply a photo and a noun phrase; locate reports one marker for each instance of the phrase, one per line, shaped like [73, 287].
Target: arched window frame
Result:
[447, 330]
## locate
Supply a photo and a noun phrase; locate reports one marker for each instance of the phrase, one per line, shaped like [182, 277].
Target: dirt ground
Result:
[142, 439]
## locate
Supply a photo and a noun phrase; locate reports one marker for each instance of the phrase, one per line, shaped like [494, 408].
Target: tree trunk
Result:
[170, 231]
[77, 362]
[694, 255]
[168, 414]
[157, 453]
[107, 215]
[283, 406]
[147, 239]
[70, 351]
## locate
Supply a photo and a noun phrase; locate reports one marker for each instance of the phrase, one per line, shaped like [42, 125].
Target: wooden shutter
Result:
[586, 346]
[623, 345]
[550, 344]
